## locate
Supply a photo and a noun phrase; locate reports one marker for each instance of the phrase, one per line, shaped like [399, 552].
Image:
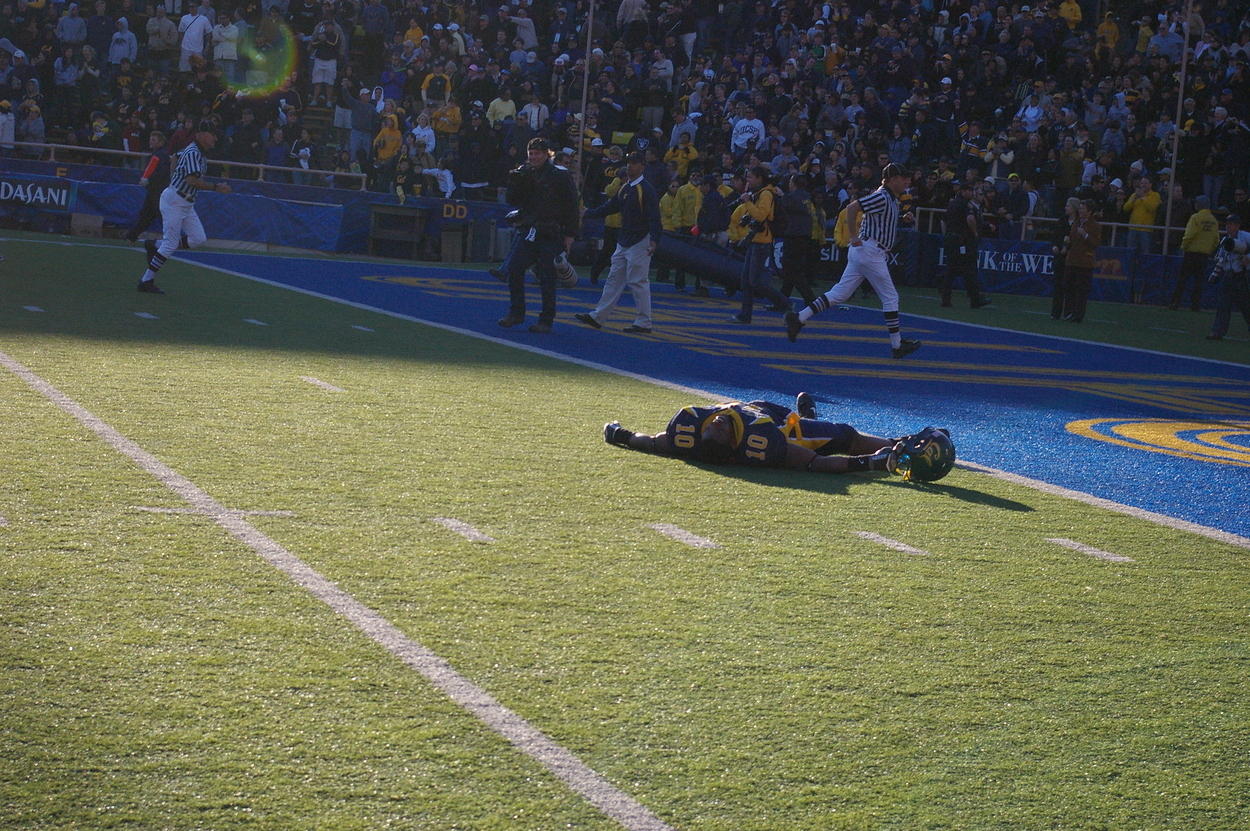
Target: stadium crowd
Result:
[1032, 103]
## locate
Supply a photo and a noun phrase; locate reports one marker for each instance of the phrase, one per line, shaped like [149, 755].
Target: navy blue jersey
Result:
[757, 432]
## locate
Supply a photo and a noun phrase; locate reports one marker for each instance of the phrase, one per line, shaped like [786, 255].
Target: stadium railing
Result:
[76, 152]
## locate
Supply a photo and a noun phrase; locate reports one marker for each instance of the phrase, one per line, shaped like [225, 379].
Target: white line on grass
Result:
[1090, 550]
[32, 308]
[601, 793]
[1045, 487]
[4, 523]
[1167, 329]
[683, 536]
[146, 315]
[361, 328]
[319, 383]
[254, 321]
[464, 529]
[154, 510]
[889, 543]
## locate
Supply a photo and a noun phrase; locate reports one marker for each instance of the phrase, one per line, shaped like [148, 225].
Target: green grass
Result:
[158, 674]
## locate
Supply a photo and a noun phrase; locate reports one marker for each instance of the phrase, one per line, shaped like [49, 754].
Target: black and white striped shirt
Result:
[880, 223]
[190, 163]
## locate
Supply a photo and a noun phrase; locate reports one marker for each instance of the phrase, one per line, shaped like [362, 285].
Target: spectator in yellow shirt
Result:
[1202, 235]
[1142, 209]
[670, 220]
[1108, 35]
[1070, 11]
[682, 155]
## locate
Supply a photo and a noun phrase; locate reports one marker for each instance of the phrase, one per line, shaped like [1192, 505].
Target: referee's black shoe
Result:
[805, 405]
[793, 325]
[905, 348]
[150, 287]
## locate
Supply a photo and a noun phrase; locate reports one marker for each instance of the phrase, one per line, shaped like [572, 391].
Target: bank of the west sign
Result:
[45, 194]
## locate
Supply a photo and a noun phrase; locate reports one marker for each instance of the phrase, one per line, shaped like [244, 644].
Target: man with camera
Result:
[1232, 272]
[760, 201]
[546, 220]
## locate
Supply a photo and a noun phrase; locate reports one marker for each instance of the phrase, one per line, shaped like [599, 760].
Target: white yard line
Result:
[146, 315]
[889, 543]
[319, 383]
[605, 796]
[1090, 550]
[361, 328]
[254, 321]
[32, 308]
[464, 529]
[683, 536]
[4, 523]
[197, 511]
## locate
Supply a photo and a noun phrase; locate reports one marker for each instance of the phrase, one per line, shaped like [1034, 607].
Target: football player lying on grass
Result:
[773, 435]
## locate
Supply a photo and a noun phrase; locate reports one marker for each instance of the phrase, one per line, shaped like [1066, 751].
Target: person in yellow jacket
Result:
[386, 150]
[760, 201]
[1142, 209]
[689, 203]
[1070, 11]
[611, 227]
[670, 220]
[1202, 234]
[682, 155]
[1108, 35]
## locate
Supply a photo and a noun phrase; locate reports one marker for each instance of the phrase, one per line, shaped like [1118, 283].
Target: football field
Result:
[313, 543]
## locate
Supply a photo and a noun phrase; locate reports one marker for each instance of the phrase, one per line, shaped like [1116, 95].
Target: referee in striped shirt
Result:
[868, 259]
[178, 216]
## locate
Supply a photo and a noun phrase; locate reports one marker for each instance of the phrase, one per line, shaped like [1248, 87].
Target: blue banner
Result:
[45, 193]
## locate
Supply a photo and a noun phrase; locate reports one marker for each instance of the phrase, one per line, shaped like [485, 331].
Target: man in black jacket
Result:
[155, 178]
[546, 221]
[962, 238]
[793, 244]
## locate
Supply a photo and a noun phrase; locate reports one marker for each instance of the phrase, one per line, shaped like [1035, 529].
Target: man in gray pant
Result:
[639, 207]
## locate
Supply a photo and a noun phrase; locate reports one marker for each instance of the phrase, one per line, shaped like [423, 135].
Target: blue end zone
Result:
[1159, 432]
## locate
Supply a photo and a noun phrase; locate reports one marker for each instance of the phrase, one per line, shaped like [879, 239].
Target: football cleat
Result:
[805, 405]
[905, 348]
[793, 325]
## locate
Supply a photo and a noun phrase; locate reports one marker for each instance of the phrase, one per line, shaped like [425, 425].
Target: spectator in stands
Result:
[1142, 207]
[162, 40]
[1202, 234]
[196, 30]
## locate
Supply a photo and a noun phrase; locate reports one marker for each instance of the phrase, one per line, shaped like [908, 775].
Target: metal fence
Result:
[75, 154]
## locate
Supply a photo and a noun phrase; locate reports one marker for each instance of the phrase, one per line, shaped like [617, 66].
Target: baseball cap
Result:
[568, 151]
[474, 68]
[1014, 176]
[597, 142]
[562, 58]
[709, 74]
[990, 179]
[453, 27]
[946, 81]
[1117, 183]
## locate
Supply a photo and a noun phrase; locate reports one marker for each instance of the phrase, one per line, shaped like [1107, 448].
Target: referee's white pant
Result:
[178, 217]
[866, 262]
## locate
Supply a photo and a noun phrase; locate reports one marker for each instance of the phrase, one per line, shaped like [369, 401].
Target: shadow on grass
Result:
[841, 483]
